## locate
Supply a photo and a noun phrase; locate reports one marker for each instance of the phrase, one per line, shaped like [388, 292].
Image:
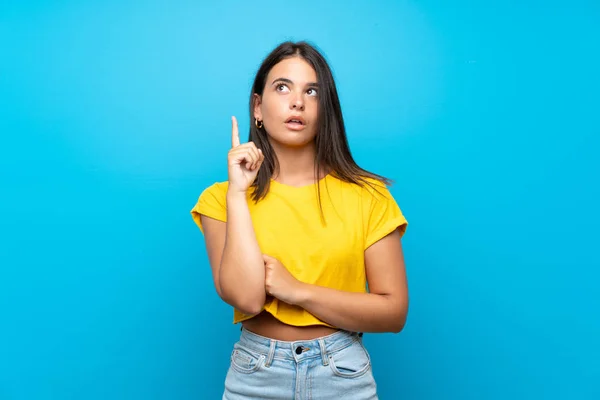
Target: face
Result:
[288, 106]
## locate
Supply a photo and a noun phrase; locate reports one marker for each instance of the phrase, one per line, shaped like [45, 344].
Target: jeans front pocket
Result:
[245, 360]
[350, 362]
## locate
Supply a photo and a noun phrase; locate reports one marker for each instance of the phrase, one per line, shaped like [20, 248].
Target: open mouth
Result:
[295, 122]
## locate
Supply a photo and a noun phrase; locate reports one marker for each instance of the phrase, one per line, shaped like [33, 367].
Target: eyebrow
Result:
[290, 82]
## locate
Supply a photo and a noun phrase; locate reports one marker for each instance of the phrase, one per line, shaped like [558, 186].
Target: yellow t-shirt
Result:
[289, 227]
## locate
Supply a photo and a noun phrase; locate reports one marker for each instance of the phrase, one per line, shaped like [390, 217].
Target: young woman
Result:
[295, 236]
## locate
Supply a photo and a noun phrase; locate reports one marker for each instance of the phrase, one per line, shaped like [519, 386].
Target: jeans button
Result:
[298, 350]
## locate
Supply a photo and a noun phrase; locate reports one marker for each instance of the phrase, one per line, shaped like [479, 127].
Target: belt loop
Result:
[323, 352]
[271, 354]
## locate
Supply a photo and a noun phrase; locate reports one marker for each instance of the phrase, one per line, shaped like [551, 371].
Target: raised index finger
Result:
[235, 134]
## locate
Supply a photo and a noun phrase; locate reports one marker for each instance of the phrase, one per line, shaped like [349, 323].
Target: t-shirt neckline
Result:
[310, 186]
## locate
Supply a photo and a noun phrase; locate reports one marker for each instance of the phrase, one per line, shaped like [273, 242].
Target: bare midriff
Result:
[265, 324]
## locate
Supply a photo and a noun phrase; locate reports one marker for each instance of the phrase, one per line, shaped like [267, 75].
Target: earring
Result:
[256, 122]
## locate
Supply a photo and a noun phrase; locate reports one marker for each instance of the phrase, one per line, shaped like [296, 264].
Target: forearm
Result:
[357, 312]
[242, 271]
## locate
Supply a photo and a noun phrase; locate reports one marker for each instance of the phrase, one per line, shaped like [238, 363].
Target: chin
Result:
[293, 139]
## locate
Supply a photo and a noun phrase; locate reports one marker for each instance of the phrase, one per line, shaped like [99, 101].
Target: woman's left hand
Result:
[280, 283]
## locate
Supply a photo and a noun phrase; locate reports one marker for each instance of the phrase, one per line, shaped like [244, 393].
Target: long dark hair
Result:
[332, 150]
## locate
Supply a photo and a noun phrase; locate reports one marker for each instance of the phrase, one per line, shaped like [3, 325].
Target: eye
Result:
[312, 92]
[281, 87]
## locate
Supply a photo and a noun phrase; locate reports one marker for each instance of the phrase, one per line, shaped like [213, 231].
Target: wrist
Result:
[304, 294]
[235, 195]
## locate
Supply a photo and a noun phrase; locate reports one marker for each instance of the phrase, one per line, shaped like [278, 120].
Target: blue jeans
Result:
[336, 366]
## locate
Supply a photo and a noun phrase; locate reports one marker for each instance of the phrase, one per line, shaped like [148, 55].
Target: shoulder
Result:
[216, 189]
[374, 187]
[214, 194]
[211, 203]
[368, 188]
[382, 212]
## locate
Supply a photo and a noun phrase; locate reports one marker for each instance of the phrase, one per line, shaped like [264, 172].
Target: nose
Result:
[297, 103]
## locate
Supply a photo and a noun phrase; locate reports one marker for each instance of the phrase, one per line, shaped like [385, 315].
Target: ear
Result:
[257, 110]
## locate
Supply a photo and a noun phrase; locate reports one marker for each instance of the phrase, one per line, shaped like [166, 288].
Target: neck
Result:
[296, 165]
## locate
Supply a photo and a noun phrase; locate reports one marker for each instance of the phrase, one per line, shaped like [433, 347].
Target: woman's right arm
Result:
[235, 257]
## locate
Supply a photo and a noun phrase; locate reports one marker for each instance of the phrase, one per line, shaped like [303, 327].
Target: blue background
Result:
[115, 115]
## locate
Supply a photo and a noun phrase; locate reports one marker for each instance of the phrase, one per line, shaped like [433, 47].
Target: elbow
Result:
[249, 306]
[247, 298]
[398, 326]
[247, 303]
[399, 320]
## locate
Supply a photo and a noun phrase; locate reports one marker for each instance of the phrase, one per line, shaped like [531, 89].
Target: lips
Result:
[295, 120]
[295, 123]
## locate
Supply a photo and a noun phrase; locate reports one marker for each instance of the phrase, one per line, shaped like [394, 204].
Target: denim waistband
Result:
[299, 349]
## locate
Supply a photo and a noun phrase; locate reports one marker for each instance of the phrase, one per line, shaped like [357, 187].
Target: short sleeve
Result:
[384, 215]
[211, 203]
